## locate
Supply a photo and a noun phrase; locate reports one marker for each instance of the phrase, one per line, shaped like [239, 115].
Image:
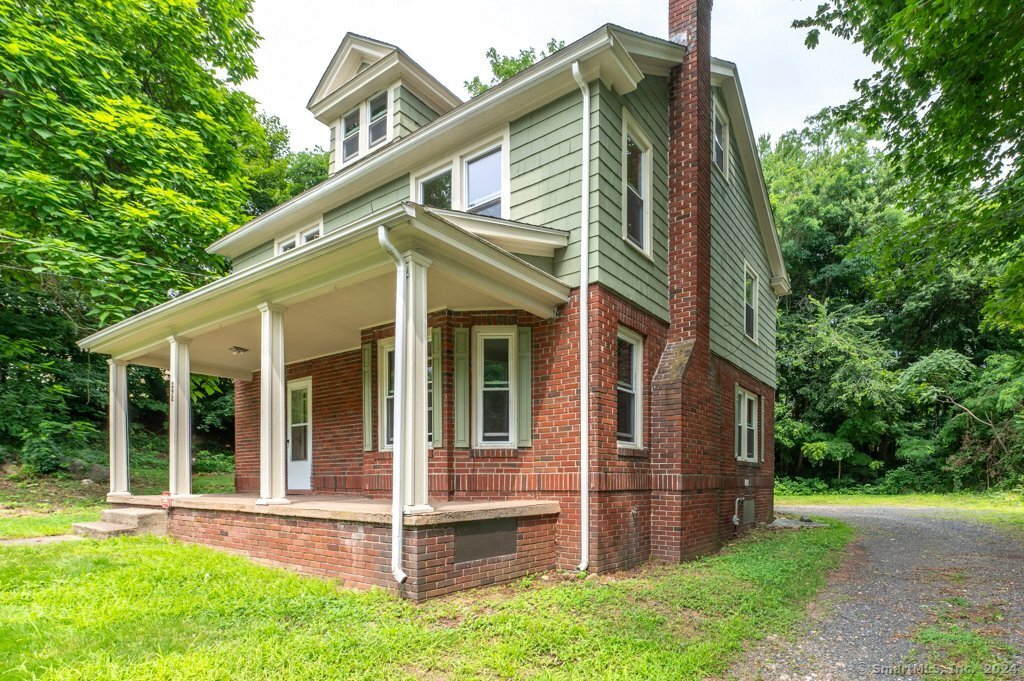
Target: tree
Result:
[945, 100]
[120, 161]
[275, 172]
[504, 66]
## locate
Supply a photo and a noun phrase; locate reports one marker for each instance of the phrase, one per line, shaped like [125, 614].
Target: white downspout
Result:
[399, 429]
[584, 328]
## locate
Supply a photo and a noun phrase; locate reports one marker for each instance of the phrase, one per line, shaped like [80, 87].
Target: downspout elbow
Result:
[399, 434]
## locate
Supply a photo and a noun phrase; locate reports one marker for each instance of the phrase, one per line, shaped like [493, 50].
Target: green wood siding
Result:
[735, 237]
[410, 113]
[546, 175]
[253, 257]
[619, 266]
[383, 196]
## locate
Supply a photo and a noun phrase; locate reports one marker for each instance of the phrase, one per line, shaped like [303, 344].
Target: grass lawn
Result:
[36, 507]
[146, 607]
[997, 508]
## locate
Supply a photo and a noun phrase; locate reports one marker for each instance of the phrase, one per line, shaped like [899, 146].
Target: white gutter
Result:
[399, 433]
[584, 328]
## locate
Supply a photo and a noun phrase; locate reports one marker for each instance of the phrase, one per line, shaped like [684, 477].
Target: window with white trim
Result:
[386, 392]
[746, 416]
[494, 372]
[308, 234]
[629, 351]
[720, 139]
[364, 127]
[750, 288]
[475, 180]
[636, 185]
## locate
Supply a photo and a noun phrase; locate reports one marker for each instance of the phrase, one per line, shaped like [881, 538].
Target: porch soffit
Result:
[332, 289]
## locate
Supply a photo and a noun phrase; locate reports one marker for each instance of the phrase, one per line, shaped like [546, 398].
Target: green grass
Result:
[962, 643]
[37, 507]
[1003, 509]
[133, 608]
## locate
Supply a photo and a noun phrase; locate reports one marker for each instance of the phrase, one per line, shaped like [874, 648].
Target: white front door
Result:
[300, 433]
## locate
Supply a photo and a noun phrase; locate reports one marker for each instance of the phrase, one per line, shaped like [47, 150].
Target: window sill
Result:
[628, 451]
[753, 463]
[642, 251]
[494, 453]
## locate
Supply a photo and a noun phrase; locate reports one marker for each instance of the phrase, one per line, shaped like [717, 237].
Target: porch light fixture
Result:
[236, 350]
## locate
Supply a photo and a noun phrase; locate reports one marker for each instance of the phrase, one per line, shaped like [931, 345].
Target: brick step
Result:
[102, 530]
[141, 520]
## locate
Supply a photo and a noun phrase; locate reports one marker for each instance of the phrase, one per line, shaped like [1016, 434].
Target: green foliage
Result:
[50, 447]
[277, 173]
[939, 100]
[504, 66]
[115, 609]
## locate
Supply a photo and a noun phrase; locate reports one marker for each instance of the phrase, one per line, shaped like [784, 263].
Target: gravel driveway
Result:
[905, 567]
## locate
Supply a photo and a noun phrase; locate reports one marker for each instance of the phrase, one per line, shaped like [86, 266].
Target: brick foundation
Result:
[359, 554]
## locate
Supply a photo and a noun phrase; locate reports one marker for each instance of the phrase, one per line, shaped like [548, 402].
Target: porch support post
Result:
[180, 417]
[414, 409]
[273, 465]
[118, 401]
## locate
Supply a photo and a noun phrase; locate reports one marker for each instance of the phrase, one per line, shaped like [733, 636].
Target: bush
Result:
[213, 462]
[54, 445]
[797, 487]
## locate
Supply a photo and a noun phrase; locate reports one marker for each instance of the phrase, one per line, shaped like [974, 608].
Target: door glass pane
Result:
[299, 445]
[300, 405]
[496, 416]
[437, 191]
[483, 184]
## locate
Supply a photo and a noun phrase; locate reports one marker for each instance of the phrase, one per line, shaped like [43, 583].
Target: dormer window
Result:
[365, 127]
[350, 136]
[308, 234]
[378, 119]
[473, 180]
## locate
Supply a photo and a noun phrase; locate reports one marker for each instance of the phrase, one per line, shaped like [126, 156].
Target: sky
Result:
[783, 81]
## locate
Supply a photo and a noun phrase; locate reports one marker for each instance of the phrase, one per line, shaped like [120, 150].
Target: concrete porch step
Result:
[101, 529]
[141, 520]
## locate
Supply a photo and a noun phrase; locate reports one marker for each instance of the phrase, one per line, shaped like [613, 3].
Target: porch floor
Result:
[350, 508]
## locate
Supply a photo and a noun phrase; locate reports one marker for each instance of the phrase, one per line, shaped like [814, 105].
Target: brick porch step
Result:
[121, 521]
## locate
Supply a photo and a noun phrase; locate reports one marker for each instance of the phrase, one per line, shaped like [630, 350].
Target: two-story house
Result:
[419, 341]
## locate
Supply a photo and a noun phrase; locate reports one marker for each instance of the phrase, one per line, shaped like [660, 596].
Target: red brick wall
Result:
[359, 554]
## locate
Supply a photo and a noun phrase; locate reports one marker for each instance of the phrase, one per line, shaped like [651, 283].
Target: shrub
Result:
[53, 445]
[796, 487]
[213, 462]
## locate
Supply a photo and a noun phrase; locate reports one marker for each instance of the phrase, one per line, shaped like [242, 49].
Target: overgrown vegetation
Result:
[150, 608]
[126, 147]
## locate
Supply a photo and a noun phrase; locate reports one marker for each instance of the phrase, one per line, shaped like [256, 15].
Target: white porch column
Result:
[118, 399]
[273, 438]
[180, 417]
[414, 409]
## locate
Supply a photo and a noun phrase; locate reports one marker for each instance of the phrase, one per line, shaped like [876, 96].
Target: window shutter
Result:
[461, 387]
[367, 397]
[524, 370]
[435, 368]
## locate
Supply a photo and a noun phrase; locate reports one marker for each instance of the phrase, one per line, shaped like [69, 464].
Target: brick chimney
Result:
[685, 406]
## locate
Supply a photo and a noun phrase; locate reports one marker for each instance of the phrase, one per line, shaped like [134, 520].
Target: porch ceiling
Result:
[332, 289]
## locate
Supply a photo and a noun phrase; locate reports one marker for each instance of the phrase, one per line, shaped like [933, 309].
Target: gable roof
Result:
[358, 68]
[725, 75]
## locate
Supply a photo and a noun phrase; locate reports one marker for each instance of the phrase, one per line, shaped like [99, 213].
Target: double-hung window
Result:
[494, 369]
[720, 140]
[628, 388]
[378, 115]
[350, 135]
[636, 191]
[483, 183]
[387, 393]
[746, 425]
[750, 303]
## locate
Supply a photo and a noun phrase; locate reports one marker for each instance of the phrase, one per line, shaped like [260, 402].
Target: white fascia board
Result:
[516, 96]
[351, 43]
[725, 75]
[515, 237]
